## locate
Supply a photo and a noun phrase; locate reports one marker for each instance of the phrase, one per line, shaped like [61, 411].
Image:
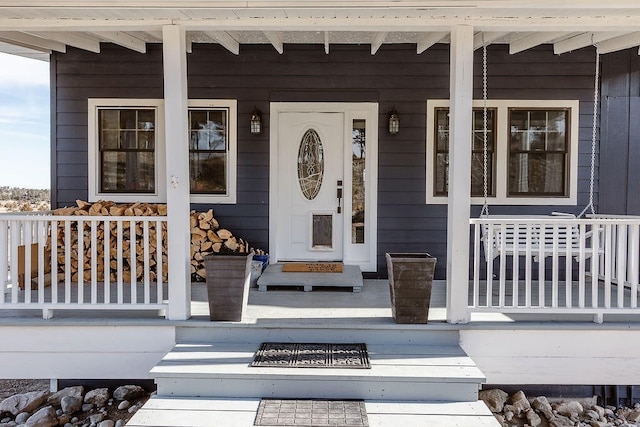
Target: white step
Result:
[206, 412]
[376, 331]
[398, 372]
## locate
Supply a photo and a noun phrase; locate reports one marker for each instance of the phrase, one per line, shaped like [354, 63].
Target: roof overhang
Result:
[39, 27]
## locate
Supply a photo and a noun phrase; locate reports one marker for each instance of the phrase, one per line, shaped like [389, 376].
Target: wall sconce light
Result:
[256, 122]
[394, 122]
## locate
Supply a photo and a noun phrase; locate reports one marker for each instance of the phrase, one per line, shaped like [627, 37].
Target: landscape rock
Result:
[533, 418]
[44, 417]
[87, 407]
[106, 423]
[633, 416]
[520, 403]
[569, 408]
[542, 404]
[71, 404]
[561, 421]
[128, 392]
[119, 423]
[96, 418]
[99, 396]
[25, 402]
[22, 417]
[56, 398]
[124, 405]
[494, 399]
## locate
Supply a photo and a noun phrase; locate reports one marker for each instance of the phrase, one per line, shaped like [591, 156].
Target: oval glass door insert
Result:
[310, 164]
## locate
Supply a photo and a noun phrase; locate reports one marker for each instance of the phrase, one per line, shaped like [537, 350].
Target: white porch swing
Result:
[514, 240]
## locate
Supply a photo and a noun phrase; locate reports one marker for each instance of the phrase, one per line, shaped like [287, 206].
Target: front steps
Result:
[417, 375]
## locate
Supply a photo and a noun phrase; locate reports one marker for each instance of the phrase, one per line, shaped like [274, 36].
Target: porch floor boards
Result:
[202, 412]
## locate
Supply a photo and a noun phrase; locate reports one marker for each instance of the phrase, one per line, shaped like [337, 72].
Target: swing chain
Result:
[594, 130]
[485, 180]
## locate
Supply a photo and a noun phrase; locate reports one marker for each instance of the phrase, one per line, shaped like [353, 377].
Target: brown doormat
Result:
[311, 413]
[312, 267]
[307, 355]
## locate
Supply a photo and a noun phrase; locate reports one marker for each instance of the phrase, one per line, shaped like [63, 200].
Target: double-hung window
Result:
[531, 152]
[127, 150]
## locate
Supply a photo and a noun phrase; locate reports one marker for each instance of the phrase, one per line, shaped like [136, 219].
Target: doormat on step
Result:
[312, 413]
[312, 267]
[307, 355]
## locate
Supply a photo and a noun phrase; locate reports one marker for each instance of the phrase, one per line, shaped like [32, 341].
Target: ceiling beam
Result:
[533, 40]
[619, 43]
[225, 40]
[377, 41]
[275, 40]
[326, 42]
[123, 39]
[479, 39]
[32, 42]
[428, 40]
[584, 40]
[79, 40]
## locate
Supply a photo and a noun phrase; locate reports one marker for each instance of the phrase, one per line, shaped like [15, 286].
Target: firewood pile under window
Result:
[206, 237]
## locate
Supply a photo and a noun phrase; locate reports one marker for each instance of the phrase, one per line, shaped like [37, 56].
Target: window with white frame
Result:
[532, 149]
[127, 146]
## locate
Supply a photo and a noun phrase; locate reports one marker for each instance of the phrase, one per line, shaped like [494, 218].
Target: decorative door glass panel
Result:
[322, 232]
[310, 164]
[358, 155]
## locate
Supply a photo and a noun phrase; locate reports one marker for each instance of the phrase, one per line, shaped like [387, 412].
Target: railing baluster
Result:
[568, 264]
[582, 266]
[145, 246]
[634, 263]
[542, 274]
[528, 270]
[489, 284]
[15, 242]
[595, 263]
[119, 255]
[515, 268]
[606, 263]
[80, 234]
[106, 260]
[67, 262]
[27, 239]
[503, 267]
[94, 262]
[133, 265]
[554, 265]
[54, 261]
[41, 233]
[621, 271]
[159, 262]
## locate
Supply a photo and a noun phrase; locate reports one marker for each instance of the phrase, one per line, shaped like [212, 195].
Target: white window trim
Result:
[502, 152]
[232, 151]
[159, 196]
[93, 161]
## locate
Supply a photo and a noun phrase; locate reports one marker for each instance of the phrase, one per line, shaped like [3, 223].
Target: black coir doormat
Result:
[311, 413]
[306, 355]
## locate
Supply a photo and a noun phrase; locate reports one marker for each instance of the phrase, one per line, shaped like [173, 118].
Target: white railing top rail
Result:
[543, 219]
[50, 217]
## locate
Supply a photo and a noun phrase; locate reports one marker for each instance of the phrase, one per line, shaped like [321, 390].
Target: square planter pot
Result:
[228, 277]
[410, 280]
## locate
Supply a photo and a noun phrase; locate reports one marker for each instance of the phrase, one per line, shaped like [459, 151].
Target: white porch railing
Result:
[529, 264]
[52, 262]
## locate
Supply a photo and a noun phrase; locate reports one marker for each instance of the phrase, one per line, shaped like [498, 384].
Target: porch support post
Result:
[461, 110]
[174, 57]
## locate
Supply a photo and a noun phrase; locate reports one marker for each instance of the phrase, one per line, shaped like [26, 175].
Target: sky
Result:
[24, 122]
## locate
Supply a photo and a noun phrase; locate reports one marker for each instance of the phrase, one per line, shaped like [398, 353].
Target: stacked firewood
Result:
[206, 237]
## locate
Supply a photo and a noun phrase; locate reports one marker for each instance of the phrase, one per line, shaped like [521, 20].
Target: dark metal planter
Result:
[228, 278]
[410, 280]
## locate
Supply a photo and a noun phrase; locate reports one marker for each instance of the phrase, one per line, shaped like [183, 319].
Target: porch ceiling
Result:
[35, 28]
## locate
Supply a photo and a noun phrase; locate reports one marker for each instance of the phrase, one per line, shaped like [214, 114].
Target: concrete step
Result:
[201, 412]
[398, 372]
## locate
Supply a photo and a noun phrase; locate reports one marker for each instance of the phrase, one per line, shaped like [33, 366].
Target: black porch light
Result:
[256, 122]
[394, 121]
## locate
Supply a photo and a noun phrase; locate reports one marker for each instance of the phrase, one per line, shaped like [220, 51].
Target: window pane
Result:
[127, 143]
[442, 174]
[538, 153]
[110, 140]
[109, 119]
[477, 174]
[358, 141]
[127, 172]
[127, 119]
[207, 173]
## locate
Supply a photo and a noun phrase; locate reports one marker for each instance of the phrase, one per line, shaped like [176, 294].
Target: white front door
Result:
[310, 177]
[319, 151]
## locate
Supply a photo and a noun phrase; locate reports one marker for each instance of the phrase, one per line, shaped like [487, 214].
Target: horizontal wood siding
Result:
[395, 76]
